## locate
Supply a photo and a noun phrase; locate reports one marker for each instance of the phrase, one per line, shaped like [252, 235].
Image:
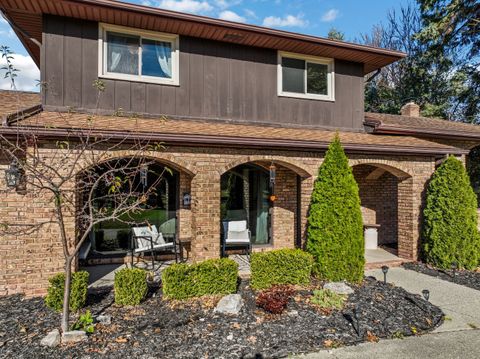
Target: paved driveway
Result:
[456, 338]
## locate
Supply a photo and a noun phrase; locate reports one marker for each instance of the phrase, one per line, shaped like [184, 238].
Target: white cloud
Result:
[330, 15]
[224, 4]
[191, 6]
[231, 16]
[26, 76]
[250, 13]
[286, 21]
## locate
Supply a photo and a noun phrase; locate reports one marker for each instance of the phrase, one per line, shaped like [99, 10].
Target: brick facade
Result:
[26, 261]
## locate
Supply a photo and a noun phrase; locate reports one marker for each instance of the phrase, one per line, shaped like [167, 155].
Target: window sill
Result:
[140, 79]
[306, 96]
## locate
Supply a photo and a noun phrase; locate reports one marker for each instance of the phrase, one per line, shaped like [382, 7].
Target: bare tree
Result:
[83, 183]
[85, 175]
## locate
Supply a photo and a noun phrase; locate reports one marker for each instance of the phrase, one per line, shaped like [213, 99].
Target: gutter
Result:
[380, 128]
[225, 141]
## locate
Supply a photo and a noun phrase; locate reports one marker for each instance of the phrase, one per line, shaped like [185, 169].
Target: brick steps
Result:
[390, 263]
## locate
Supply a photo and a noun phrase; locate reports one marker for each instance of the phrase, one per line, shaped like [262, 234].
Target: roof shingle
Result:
[12, 102]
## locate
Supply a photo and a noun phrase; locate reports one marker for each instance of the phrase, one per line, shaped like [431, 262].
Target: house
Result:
[234, 104]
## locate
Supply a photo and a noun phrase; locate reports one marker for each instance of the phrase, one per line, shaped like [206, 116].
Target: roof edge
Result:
[223, 141]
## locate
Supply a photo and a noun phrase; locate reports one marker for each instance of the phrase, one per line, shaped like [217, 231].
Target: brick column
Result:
[206, 215]
[408, 234]
[306, 194]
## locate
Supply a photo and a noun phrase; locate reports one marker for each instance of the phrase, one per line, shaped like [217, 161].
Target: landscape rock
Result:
[104, 319]
[339, 288]
[74, 336]
[52, 339]
[230, 304]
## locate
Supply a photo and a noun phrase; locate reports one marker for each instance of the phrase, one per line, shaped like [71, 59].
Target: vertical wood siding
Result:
[217, 81]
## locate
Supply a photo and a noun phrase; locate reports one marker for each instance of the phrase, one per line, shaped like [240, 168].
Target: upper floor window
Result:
[305, 77]
[136, 55]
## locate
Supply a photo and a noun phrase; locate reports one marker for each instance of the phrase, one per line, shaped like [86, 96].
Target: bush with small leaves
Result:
[210, 277]
[283, 266]
[130, 286]
[78, 291]
[85, 323]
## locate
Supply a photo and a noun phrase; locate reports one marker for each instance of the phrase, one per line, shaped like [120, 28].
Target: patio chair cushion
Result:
[237, 226]
[156, 247]
[143, 236]
[238, 237]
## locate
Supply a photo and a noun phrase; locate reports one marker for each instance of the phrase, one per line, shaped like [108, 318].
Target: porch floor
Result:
[376, 258]
[103, 275]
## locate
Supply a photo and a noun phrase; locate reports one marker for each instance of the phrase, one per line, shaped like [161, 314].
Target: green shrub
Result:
[213, 276]
[335, 226]
[450, 231]
[130, 285]
[78, 291]
[326, 299]
[283, 266]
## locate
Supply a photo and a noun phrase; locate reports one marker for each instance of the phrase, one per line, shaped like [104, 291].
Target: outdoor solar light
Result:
[357, 322]
[426, 294]
[385, 271]
[12, 175]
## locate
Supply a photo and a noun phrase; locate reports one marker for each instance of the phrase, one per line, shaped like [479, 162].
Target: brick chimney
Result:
[410, 109]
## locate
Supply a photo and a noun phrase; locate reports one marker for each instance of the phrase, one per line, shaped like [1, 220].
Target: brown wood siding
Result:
[218, 80]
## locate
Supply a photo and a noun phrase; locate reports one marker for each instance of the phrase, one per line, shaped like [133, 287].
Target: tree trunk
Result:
[66, 295]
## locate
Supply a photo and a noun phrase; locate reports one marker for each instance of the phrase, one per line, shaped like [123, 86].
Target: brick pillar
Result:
[206, 215]
[285, 209]
[184, 212]
[408, 217]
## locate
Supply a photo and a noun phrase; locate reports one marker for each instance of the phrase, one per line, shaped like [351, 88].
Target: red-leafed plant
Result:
[275, 299]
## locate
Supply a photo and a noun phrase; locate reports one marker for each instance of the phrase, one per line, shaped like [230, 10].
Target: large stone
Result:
[74, 336]
[52, 339]
[230, 304]
[104, 319]
[338, 287]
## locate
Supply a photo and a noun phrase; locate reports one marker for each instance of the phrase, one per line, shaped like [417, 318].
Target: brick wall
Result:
[26, 261]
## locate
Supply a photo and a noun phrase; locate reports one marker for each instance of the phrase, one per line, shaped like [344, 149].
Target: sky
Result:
[313, 17]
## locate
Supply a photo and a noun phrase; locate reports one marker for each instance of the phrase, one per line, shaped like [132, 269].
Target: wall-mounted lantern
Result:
[12, 175]
[144, 176]
[273, 174]
[187, 199]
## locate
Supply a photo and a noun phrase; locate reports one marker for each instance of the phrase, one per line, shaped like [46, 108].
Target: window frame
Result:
[308, 59]
[143, 34]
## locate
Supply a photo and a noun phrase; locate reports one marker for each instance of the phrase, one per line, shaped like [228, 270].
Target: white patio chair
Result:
[148, 239]
[236, 235]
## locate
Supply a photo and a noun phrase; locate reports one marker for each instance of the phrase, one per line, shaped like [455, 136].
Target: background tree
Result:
[335, 226]
[335, 34]
[450, 232]
[423, 76]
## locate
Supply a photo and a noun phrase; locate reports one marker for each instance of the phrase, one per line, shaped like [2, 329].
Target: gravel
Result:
[463, 277]
[158, 328]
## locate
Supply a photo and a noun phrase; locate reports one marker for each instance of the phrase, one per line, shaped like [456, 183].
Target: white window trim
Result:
[150, 35]
[312, 59]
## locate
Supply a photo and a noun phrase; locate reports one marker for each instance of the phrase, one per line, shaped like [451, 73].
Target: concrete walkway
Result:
[446, 345]
[456, 338]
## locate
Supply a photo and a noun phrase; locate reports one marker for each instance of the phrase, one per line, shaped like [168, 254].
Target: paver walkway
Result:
[456, 338]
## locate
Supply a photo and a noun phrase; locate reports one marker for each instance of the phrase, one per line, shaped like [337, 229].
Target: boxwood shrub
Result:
[130, 285]
[78, 291]
[213, 276]
[283, 266]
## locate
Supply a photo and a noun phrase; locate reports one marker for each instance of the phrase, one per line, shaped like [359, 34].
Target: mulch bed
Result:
[463, 277]
[159, 328]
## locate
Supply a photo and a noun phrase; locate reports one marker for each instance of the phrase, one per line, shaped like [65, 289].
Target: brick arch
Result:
[392, 168]
[293, 165]
[164, 158]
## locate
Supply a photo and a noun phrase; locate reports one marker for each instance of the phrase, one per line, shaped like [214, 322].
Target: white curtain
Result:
[164, 56]
[116, 56]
